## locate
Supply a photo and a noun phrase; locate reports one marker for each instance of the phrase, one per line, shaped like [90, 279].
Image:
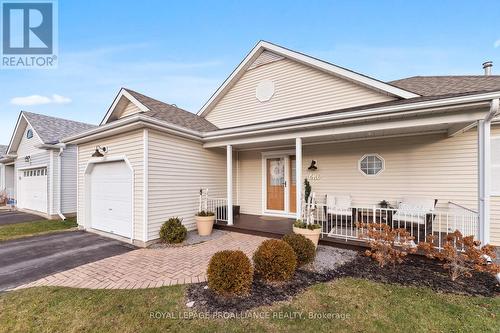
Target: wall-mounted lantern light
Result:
[313, 166]
[27, 159]
[98, 150]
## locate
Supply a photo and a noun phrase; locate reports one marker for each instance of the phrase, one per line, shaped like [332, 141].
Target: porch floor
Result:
[277, 227]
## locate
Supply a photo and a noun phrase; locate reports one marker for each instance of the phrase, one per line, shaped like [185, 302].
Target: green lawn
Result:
[366, 307]
[26, 229]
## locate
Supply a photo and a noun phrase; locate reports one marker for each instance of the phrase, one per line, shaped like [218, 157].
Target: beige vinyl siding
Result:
[129, 109]
[178, 168]
[433, 166]
[265, 58]
[129, 145]
[299, 90]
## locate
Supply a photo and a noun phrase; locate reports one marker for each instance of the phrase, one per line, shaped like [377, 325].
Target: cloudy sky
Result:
[181, 51]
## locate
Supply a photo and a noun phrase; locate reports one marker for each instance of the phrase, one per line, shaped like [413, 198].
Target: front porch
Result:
[277, 227]
[440, 158]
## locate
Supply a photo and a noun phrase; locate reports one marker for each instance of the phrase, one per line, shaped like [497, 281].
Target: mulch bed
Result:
[415, 271]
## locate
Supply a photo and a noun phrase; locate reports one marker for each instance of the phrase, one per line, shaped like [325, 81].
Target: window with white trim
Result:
[495, 166]
[371, 164]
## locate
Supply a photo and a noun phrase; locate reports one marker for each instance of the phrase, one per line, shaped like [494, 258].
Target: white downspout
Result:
[484, 172]
[59, 183]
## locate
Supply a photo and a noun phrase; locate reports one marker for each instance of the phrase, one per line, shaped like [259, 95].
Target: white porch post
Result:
[229, 169]
[484, 179]
[298, 176]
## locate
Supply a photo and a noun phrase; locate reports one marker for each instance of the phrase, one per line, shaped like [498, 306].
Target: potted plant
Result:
[205, 222]
[311, 231]
[384, 204]
[307, 227]
[204, 218]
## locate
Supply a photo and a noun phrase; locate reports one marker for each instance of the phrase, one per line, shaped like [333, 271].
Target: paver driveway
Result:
[29, 259]
[149, 268]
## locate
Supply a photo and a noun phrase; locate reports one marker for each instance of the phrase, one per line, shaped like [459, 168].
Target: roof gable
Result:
[47, 129]
[129, 102]
[259, 51]
[120, 104]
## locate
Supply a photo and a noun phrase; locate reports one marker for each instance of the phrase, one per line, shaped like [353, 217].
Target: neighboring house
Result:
[410, 142]
[3, 150]
[40, 171]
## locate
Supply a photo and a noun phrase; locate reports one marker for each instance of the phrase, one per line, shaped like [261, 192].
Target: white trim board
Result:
[306, 60]
[122, 93]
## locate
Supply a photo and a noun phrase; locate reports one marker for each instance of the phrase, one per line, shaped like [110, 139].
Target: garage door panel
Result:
[111, 198]
[32, 189]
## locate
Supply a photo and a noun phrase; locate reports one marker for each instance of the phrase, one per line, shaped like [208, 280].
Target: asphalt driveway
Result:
[29, 259]
[13, 217]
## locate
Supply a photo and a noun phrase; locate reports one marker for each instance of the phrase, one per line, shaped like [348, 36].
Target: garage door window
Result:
[35, 173]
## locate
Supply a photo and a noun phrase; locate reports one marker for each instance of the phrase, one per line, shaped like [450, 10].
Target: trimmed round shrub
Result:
[230, 273]
[173, 231]
[275, 260]
[304, 249]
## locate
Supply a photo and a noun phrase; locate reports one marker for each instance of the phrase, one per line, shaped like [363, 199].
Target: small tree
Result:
[461, 255]
[387, 245]
[307, 189]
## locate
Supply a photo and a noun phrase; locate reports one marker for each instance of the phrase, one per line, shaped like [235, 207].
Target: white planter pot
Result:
[313, 235]
[204, 224]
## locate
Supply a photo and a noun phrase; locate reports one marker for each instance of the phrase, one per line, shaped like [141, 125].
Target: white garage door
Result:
[32, 189]
[111, 198]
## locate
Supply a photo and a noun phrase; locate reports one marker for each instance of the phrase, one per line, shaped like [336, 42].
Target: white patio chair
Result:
[415, 214]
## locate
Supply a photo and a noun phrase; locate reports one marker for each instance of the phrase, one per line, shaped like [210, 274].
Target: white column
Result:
[484, 179]
[298, 176]
[229, 169]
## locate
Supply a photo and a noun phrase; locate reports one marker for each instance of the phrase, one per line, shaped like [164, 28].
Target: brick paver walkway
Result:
[150, 268]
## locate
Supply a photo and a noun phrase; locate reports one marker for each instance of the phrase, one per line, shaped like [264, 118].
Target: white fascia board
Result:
[122, 93]
[306, 60]
[129, 123]
[425, 106]
[346, 127]
[11, 143]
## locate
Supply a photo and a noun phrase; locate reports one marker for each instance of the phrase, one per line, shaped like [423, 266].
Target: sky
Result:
[181, 51]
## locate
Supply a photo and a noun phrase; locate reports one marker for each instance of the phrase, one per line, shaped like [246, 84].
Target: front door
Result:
[280, 185]
[276, 184]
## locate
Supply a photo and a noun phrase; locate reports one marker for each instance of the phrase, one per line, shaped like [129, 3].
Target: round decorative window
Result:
[29, 134]
[371, 164]
[264, 90]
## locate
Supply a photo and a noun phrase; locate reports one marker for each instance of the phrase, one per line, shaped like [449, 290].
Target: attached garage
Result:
[110, 188]
[32, 189]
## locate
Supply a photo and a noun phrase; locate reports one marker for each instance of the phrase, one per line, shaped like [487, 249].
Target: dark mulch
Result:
[262, 293]
[420, 271]
[415, 271]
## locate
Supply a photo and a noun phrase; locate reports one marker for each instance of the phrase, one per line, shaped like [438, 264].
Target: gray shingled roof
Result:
[172, 114]
[52, 129]
[443, 85]
[3, 150]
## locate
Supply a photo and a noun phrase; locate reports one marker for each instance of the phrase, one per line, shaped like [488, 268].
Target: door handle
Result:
[284, 183]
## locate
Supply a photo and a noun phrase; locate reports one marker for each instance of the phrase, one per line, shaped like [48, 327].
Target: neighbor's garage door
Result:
[111, 198]
[32, 189]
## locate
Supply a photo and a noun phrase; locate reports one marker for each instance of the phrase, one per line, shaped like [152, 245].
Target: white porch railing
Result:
[342, 223]
[219, 207]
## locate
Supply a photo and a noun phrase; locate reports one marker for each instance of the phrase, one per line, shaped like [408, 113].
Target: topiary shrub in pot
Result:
[173, 231]
[275, 260]
[304, 248]
[230, 273]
